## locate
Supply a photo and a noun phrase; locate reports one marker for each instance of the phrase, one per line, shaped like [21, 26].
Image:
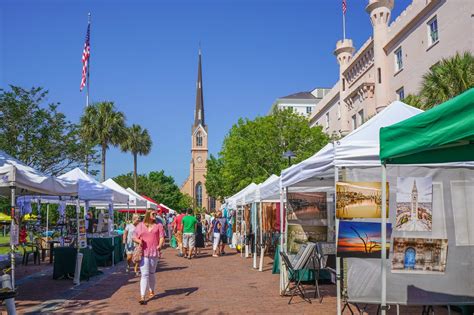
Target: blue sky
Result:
[144, 58]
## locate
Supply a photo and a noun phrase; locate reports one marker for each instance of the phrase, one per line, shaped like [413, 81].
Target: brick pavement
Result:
[205, 285]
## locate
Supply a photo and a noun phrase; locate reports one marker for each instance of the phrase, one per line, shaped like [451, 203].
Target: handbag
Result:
[137, 254]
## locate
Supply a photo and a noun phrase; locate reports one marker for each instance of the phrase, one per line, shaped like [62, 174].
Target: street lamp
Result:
[289, 154]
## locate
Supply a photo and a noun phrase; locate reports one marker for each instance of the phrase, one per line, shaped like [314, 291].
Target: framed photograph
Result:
[414, 204]
[307, 206]
[301, 234]
[359, 200]
[361, 239]
[419, 255]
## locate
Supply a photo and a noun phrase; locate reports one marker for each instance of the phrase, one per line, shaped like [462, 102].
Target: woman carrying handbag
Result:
[150, 236]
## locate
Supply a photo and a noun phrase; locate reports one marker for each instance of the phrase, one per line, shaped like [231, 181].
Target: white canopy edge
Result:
[14, 173]
[149, 204]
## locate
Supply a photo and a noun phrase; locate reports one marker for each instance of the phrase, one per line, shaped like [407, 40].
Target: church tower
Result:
[414, 202]
[195, 184]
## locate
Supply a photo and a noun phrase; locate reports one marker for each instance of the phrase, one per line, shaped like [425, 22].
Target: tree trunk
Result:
[135, 171]
[104, 150]
[86, 166]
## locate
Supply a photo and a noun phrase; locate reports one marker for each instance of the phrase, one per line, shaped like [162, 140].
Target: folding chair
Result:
[294, 274]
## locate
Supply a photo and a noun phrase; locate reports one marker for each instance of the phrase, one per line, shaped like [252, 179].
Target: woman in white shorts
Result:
[216, 232]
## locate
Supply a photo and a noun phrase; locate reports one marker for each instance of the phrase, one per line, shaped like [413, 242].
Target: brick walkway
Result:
[205, 285]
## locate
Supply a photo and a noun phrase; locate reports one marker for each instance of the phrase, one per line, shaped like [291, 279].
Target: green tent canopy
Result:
[442, 134]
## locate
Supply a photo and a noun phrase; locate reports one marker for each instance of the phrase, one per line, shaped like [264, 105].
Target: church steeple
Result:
[199, 112]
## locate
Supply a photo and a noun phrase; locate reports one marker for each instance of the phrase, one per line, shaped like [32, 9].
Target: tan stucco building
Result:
[392, 62]
[195, 184]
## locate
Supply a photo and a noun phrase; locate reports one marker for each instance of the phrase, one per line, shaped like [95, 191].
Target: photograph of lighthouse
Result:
[414, 204]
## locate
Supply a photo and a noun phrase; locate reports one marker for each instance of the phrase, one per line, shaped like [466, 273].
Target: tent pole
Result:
[262, 246]
[383, 306]
[12, 228]
[47, 221]
[255, 231]
[282, 284]
[338, 260]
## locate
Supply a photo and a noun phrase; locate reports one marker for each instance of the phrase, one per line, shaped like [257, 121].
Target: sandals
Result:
[142, 301]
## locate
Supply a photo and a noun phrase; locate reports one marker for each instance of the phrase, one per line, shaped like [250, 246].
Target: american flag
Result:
[344, 6]
[85, 57]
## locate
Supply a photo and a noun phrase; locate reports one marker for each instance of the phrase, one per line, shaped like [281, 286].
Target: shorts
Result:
[188, 240]
[224, 238]
[215, 243]
[129, 248]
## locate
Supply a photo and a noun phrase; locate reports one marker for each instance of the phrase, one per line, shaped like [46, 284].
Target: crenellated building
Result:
[392, 62]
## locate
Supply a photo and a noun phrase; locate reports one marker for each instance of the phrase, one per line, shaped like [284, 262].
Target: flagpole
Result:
[88, 62]
[343, 24]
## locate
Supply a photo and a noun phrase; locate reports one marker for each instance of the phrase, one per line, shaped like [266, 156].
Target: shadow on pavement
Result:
[185, 291]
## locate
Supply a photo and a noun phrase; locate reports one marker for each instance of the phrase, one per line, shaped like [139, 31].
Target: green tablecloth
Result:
[65, 263]
[102, 248]
[305, 274]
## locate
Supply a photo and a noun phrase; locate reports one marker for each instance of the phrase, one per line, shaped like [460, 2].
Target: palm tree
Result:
[448, 79]
[103, 125]
[138, 142]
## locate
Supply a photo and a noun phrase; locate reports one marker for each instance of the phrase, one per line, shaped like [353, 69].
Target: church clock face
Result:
[199, 159]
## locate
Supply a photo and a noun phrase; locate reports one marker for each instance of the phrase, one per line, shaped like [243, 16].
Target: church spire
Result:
[199, 112]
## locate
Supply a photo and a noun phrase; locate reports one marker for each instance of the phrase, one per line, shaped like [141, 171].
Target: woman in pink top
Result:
[151, 237]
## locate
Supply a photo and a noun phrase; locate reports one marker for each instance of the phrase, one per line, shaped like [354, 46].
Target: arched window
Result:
[198, 195]
[199, 139]
[410, 258]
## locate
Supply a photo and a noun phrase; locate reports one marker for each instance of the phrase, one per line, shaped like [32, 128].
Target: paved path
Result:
[205, 285]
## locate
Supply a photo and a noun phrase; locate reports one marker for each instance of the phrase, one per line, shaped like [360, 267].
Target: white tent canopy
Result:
[254, 194]
[238, 198]
[14, 173]
[90, 189]
[270, 189]
[133, 201]
[167, 208]
[359, 148]
[148, 204]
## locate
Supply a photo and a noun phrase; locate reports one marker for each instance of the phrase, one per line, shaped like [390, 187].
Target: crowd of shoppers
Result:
[144, 241]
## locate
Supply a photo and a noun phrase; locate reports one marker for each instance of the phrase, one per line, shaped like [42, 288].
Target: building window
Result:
[379, 75]
[212, 204]
[327, 120]
[401, 94]
[199, 139]
[433, 34]
[338, 110]
[198, 195]
[398, 59]
[354, 122]
[309, 109]
[343, 84]
[361, 117]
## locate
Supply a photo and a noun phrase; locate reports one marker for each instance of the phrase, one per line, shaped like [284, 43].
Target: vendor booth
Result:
[350, 163]
[85, 229]
[431, 247]
[16, 178]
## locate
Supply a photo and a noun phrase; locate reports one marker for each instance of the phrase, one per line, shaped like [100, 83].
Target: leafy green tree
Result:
[447, 79]
[158, 186]
[215, 183]
[253, 149]
[413, 100]
[138, 142]
[39, 135]
[103, 125]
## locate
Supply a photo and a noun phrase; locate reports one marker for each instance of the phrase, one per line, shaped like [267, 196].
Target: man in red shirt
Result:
[178, 231]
